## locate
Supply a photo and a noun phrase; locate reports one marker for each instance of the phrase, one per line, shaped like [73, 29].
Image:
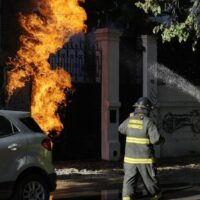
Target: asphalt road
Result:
[106, 189]
[178, 182]
[178, 193]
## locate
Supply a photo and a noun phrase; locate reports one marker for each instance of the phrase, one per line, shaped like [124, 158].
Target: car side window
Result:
[5, 127]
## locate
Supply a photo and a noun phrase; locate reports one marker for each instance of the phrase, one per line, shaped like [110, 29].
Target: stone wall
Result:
[180, 122]
[177, 111]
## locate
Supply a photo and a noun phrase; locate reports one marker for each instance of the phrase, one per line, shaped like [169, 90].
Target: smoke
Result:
[172, 79]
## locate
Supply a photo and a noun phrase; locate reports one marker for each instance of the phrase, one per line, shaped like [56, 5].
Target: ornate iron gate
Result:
[81, 137]
[81, 60]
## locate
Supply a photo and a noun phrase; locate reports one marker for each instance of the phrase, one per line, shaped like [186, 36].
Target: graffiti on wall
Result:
[172, 122]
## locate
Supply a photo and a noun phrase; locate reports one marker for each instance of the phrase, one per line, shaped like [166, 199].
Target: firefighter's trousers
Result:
[148, 175]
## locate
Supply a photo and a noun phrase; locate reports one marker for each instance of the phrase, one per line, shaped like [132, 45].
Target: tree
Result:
[176, 18]
[121, 14]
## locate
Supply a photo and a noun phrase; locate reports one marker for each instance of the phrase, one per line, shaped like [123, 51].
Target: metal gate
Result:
[130, 84]
[81, 137]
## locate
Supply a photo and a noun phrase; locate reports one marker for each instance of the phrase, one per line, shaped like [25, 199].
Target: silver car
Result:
[26, 169]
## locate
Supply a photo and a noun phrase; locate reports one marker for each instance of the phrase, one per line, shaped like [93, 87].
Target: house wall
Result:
[176, 100]
[180, 122]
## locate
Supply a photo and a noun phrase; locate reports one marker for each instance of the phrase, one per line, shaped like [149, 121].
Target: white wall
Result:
[183, 113]
[178, 113]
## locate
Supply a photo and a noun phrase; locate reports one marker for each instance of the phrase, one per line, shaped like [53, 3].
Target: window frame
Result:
[14, 129]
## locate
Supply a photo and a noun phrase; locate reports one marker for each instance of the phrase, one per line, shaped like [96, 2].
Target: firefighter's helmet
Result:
[143, 103]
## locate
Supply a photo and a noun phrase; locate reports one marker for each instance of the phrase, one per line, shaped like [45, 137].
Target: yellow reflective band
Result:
[135, 121]
[136, 126]
[126, 198]
[157, 197]
[137, 140]
[138, 160]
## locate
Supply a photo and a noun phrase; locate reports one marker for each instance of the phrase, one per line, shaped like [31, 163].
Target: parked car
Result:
[26, 169]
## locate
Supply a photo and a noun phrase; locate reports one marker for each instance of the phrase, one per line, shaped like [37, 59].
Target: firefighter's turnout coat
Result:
[141, 134]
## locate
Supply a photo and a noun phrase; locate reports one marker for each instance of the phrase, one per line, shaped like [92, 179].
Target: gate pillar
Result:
[150, 85]
[0, 25]
[108, 39]
[149, 58]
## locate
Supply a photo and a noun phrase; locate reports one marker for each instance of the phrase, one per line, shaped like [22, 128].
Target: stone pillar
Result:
[2, 70]
[149, 58]
[0, 24]
[108, 39]
[1, 9]
[150, 86]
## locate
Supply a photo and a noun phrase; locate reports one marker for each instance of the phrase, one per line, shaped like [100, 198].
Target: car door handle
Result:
[13, 147]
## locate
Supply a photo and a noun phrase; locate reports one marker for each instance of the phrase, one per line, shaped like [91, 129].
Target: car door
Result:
[12, 150]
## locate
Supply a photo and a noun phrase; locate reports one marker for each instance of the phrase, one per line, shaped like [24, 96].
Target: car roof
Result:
[14, 113]
[15, 116]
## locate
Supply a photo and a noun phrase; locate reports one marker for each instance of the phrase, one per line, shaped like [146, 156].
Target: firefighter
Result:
[141, 134]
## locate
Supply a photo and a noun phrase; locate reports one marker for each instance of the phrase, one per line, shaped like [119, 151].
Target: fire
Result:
[45, 31]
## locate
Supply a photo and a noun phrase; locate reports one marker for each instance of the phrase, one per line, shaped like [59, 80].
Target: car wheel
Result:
[32, 187]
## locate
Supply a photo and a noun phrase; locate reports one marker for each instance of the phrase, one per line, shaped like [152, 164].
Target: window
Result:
[31, 124]
[5, 127]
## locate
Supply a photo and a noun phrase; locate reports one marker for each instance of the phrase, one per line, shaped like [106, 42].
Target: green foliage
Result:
[149, 6]
[175, 18]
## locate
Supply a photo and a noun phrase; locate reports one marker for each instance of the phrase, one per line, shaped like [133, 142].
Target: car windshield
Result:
[31, 124]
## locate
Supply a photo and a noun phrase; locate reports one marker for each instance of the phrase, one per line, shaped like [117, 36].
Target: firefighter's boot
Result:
[128, 198]
[157, 197]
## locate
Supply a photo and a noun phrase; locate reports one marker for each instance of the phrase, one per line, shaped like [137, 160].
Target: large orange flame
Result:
[46, 30]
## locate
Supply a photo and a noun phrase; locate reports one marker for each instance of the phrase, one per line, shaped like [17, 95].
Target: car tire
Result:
[32, 187]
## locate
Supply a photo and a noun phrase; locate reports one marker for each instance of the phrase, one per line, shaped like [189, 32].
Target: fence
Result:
[82, 60]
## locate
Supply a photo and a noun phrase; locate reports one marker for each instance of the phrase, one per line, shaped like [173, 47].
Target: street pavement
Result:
[180, 194]
[178, 182]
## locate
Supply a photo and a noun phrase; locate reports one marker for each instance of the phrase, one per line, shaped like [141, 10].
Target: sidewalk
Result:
[79, 177]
